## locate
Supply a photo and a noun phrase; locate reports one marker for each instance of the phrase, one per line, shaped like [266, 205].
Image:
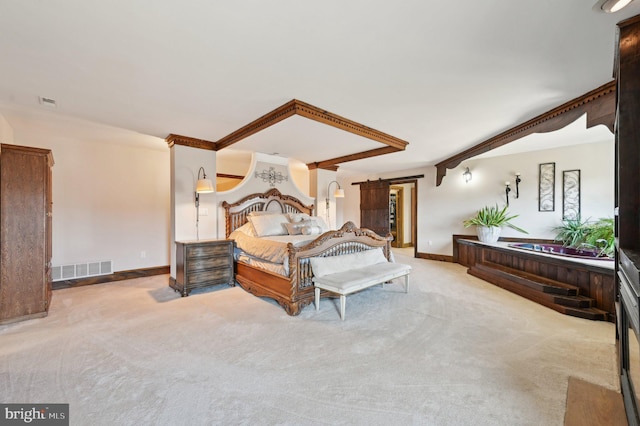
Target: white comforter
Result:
[271, 249]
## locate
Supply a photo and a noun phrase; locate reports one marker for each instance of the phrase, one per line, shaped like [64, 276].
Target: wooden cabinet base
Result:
[202, 264]
[24, 318]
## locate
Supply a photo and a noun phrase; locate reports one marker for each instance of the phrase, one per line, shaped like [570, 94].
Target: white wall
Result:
[442, 209]
[110, 199]
[254, 185]
[6, 131]
[186, 224]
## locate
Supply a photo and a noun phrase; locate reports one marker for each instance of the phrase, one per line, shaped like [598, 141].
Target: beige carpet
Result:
[454, 351]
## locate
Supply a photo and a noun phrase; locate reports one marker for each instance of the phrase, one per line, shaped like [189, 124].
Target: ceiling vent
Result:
[51, 103]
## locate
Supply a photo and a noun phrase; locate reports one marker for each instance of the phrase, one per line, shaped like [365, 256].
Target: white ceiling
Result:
[442, 75]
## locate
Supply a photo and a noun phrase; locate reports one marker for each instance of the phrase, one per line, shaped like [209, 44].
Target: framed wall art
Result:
[547, 187]
[571, 194]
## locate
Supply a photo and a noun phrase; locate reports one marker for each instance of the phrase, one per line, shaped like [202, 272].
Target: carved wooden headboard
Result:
[235, 215]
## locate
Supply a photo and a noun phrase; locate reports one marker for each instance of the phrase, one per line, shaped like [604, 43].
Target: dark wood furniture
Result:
[202, 264]
[295, 291]
[374, 206]
[627, 136]
[25, 232]
[562, 284]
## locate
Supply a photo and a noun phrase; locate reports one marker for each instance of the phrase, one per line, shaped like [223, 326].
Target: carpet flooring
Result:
[455, 350]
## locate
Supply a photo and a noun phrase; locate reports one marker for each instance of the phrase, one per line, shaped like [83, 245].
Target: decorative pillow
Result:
[247, 228]
[321, 223]
[269, 224]
[322, 266]
[297, 217]
[310, 230]
[294, 228]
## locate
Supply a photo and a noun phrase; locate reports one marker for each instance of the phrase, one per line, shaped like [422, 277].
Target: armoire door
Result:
[374, 206]
[25, 289]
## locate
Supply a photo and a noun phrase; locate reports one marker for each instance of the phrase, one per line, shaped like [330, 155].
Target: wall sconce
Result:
[467, 175]
[507, 189]
[518, 180]
[338, 193]
[203, 186]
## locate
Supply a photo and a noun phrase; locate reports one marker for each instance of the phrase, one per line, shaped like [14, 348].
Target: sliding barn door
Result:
[374, 206]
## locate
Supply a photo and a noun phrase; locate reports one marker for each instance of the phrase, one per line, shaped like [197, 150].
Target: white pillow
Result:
[294, 228]
[297, 217]
[270, 224]
[321, 223]
[310, 230]
[322, 266]
[247, 228]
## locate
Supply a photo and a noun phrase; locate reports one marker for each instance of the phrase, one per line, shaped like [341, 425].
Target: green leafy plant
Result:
[493, 216]
[572, 232]
[600, 234]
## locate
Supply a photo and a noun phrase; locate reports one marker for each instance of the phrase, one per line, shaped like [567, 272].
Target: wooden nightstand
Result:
[202, 264]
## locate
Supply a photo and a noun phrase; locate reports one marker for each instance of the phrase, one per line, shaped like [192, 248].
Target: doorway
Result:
[376, 209]
[401, 216]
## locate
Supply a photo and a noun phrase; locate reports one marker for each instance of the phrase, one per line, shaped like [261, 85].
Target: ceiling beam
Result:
[296, 107]
[269, 119]
[599, 105]
[325, 117]
[174, 139]
[328, 164]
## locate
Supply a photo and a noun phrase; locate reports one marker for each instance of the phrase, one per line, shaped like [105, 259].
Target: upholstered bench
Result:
[346, 274]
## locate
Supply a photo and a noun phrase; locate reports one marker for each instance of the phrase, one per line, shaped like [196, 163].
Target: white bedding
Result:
[268, 253]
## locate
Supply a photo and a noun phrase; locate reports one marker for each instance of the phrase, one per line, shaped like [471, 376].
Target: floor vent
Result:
[81, 270]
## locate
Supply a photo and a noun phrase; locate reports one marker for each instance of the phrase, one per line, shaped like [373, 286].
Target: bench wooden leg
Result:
[317, 300]
[406, 283]
[343, 302]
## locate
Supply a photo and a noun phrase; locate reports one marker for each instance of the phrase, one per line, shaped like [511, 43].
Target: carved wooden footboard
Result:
[295, 291]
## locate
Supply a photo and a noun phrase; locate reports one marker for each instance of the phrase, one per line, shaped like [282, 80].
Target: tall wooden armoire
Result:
[25, 232]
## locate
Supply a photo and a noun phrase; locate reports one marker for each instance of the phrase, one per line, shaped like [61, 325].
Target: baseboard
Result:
[431, 256]
[116, 276]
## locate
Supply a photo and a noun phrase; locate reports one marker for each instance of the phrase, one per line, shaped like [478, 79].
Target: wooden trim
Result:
[303, 109]
[326, 164]
[116, 276]
[396, 181]
[269, 119]
[325, 117]
[474, 237]
[173, 139]
[599, 105]
[431, 256]
[227, 176]
[312, 166]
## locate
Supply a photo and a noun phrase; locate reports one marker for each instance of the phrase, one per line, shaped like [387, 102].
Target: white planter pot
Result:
[488, 234]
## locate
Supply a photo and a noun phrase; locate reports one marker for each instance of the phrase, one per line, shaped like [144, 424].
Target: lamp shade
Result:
[338, 193]
[204, 186]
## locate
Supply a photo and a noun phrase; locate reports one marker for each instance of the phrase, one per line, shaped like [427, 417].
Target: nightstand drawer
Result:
[222, 275]
[209, 262]
[208, 251]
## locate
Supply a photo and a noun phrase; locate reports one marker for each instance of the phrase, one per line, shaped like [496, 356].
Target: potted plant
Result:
[489, 221]
[598, 235]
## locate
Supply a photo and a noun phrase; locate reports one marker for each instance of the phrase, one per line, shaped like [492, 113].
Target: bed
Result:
[290, 284]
